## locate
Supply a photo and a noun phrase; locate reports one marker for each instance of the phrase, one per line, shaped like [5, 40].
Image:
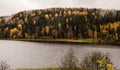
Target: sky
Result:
[9, 7]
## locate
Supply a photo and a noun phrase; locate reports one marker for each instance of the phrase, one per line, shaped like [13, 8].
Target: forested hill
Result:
[62, 23]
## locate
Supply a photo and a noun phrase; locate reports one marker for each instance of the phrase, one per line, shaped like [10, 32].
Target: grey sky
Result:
[8, 7]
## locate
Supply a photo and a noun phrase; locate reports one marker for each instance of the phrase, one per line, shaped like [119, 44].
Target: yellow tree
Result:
[56, 15]
[43, 31]
[50, 15]
[67, 26]
[34, 22]
[40, 12]
[33, 14]
[70, 18]
[20, 26]
[46, 16]
[69, 12]
[27, 35]
[66, 20]
[19, 34]
[52, 18]
[26, 20]
[59, 25]
[13, 32]
[0, 20]
[47, 29]
[20, 14]
[64, 13]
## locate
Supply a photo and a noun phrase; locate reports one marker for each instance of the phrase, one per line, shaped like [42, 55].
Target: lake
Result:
[21, 54]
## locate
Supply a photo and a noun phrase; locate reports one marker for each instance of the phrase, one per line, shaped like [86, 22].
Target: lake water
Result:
[21, 54]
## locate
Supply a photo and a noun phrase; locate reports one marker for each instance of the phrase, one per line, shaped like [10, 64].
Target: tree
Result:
[56, 15]
[69, 61]
[20, 26]
[118, 31]
[13, 32]
[59, 30]
[4, 65]
[47, 30]
[46, 16]
[96, 61]
[54, 33]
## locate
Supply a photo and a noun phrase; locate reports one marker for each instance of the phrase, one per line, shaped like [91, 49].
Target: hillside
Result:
[63, 23]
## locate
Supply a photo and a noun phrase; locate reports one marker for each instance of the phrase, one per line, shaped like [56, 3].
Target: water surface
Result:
[21, 54]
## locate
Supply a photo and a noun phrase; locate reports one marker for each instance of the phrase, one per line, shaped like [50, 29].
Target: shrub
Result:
[96, 61]
[69, 61]
[4, 65]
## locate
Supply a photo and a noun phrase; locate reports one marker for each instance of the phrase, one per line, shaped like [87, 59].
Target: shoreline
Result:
[66, 41]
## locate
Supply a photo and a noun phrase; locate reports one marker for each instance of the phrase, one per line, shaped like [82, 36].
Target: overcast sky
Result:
[8, 7]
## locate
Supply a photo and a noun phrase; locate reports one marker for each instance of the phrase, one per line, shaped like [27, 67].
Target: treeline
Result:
[62, 23]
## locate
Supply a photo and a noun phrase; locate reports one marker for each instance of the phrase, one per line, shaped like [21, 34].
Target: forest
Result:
[62, 23]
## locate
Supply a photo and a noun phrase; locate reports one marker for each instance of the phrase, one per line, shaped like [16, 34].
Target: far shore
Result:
[65, 41]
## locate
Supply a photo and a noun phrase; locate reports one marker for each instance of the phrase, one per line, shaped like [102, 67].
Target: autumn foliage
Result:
[62, 23]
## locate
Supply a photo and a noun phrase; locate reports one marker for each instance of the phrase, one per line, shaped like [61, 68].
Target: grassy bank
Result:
[42, 69]
[39, 69]
[68, 41]
[84, 41]
[62, 40]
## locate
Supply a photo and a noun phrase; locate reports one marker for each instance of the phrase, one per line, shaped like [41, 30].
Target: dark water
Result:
[20, 54]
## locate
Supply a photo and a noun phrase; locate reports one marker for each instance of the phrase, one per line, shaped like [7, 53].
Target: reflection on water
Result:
[20, 54]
